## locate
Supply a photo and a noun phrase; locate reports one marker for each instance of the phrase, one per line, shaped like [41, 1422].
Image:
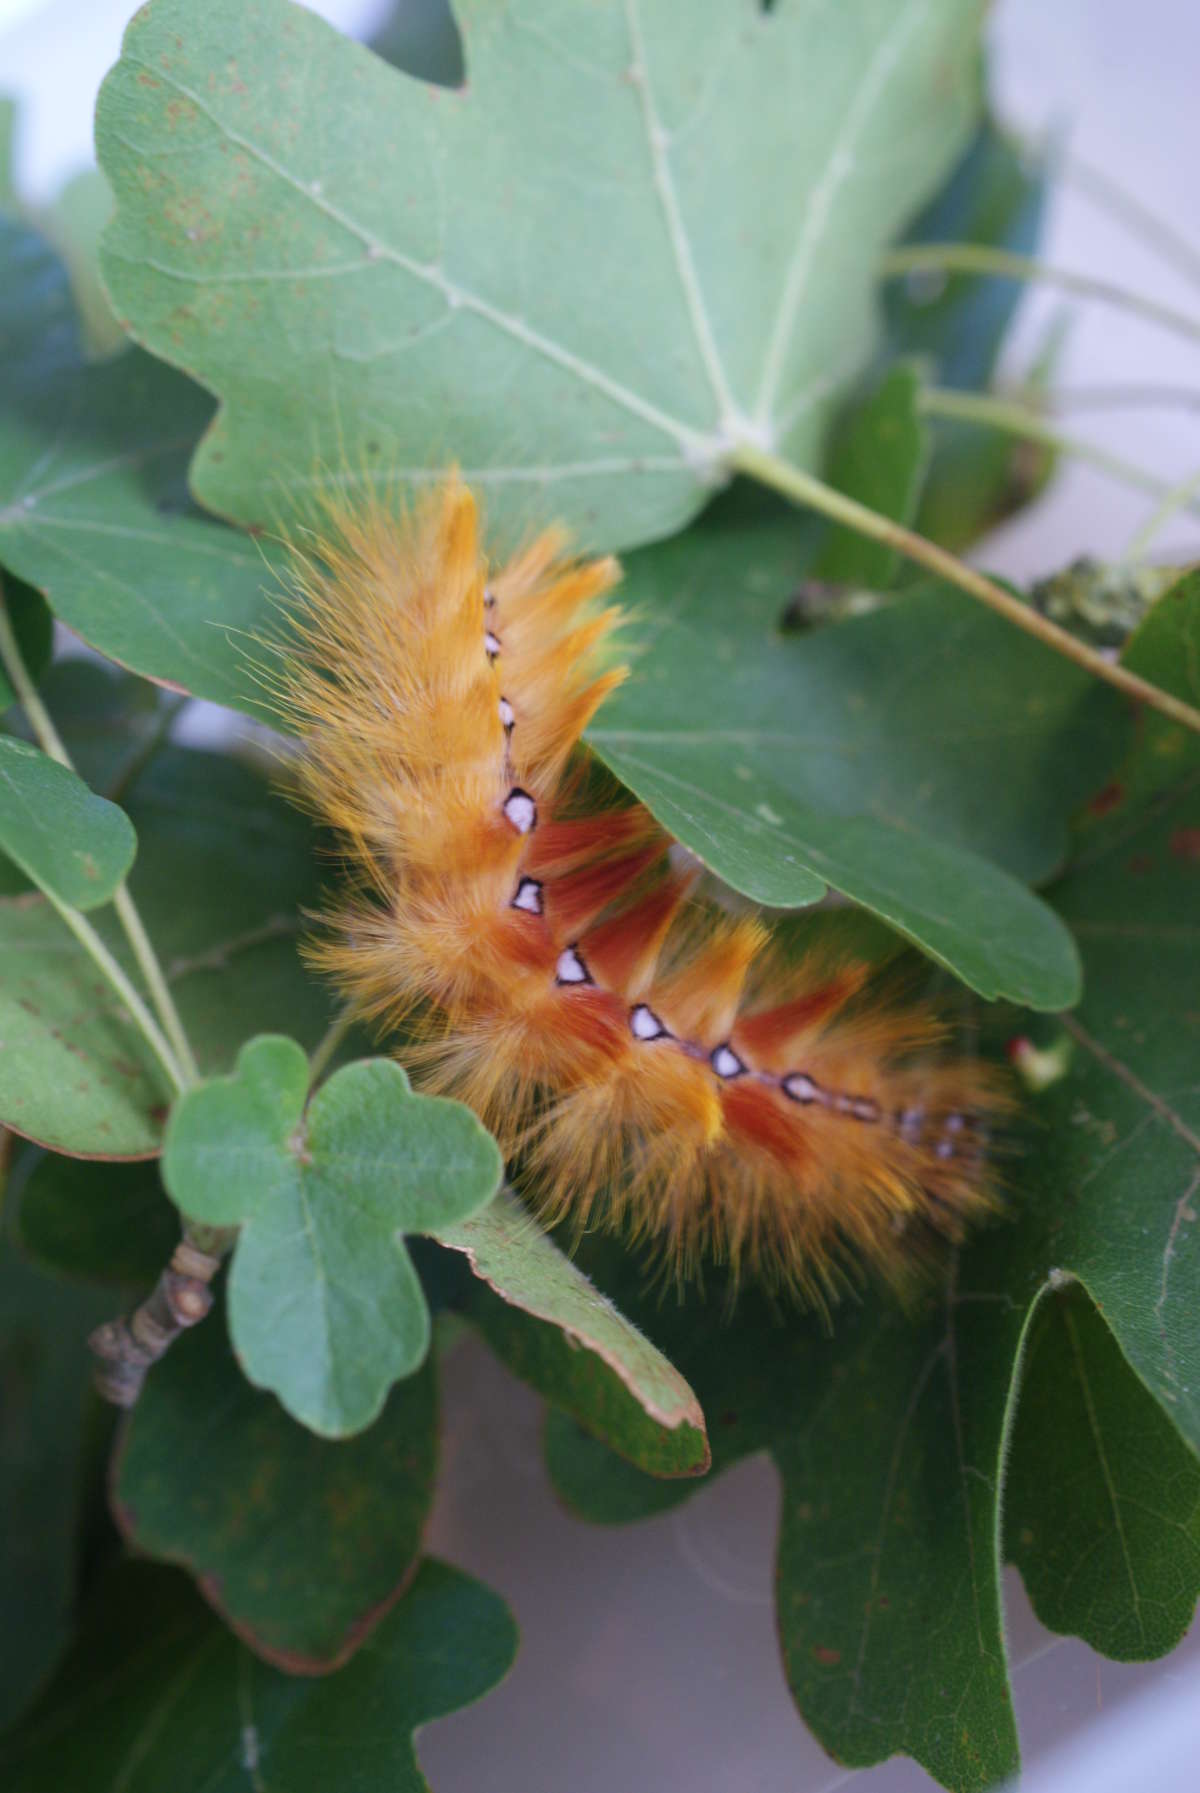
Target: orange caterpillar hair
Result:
[649, 1059]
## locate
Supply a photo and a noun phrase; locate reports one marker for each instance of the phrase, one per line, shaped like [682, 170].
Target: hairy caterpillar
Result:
[649, 1059]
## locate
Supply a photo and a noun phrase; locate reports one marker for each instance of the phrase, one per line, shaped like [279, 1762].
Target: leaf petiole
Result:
[982, 258]
[176, 1058]
[1020, 420]
[802, 488]
[96, 950]
[327, 1045]
[1179, 498]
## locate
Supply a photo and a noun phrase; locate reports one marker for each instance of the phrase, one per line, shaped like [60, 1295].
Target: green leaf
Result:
[102, 1223]
[1165, 649]
[889, 1440]
[302, 1545]
[957, 324]
[1116, 1172]
[44, 1370]
[1117, 1159]
[94, 509]
[879, 458]
[241, 1723]
[556, 1331]
[887, 757]
[74, 1073]
[890, 1437]
[108, 719]
[76, 846]
[325, 1308]
[367, 269]
[1102, 1504]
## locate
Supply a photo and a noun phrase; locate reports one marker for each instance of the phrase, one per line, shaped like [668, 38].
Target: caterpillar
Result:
[648, 1059]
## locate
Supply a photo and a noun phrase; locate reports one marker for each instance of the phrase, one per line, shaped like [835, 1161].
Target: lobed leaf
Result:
[623, 217]
[74, 845]
[325, 1307]
[891, 1436]
[1102, 1501]
[148, 1637]
[1117, 1170]
[303, 1546]
[559, 1333]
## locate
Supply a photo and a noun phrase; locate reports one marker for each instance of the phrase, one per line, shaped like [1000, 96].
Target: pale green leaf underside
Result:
[527, 1270]
[325, 1307]
[626, 244]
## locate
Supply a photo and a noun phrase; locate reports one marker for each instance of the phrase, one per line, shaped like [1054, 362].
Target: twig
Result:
[127, 1347]
[803, 488]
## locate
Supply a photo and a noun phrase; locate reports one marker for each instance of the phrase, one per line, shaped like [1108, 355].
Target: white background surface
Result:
[648, 1659]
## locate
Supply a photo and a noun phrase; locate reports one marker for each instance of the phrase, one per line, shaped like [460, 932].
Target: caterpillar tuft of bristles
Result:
[646, 1060]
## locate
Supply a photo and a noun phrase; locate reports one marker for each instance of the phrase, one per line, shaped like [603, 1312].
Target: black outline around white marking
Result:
[639, 1028]
[520, 798]
[569, 960]
[528, 897]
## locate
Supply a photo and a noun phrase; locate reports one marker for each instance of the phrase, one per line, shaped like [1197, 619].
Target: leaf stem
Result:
[329, 1042]
[1177, 499]
[177, 1059]
[1020, 420]
[804, 489]
[145, 750]
[156, 982]
[1134, 214]
[982, 258]
[96, 950]
[1120, 397]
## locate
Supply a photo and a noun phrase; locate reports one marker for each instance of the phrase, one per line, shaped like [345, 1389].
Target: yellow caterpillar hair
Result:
[647, 1059]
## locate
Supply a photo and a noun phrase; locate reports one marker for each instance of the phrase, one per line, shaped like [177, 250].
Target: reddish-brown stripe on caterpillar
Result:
[645, 1059]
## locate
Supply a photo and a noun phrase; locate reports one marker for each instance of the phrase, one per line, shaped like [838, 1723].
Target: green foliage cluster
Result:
[321, 267]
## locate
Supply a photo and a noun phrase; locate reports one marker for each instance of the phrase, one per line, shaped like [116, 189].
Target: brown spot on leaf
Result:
[1107, 799]
[1185, 845]
[826, 1657]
